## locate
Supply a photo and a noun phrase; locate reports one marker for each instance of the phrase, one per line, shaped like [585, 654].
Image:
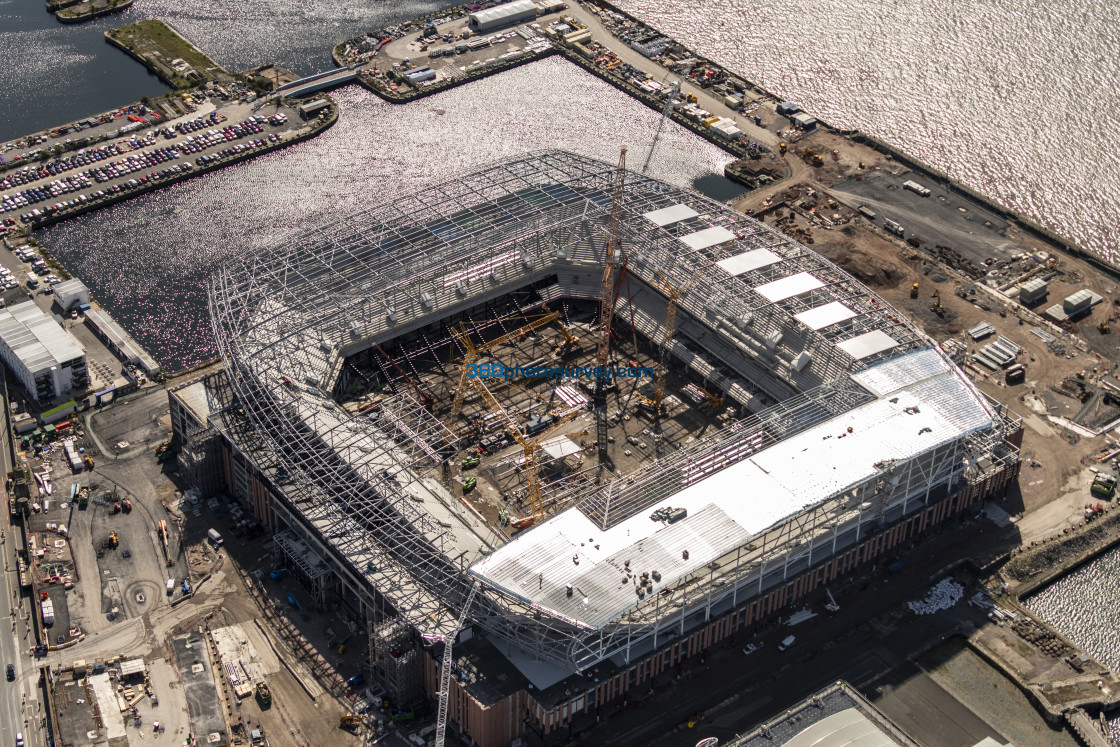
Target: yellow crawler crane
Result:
[530, 446]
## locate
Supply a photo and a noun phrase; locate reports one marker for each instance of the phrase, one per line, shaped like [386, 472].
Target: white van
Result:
[170, 586]
[787, 642]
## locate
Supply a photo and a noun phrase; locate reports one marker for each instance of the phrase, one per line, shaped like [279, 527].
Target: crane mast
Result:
[606, 308]
[445, 673]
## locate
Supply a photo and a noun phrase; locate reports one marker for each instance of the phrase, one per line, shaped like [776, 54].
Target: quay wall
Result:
[144, 60]
[196, 171]
[1061, 554]
[415, 94]
[94, 13]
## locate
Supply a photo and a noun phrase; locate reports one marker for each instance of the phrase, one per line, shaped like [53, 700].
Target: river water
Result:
[1083, 607]
[146, 259]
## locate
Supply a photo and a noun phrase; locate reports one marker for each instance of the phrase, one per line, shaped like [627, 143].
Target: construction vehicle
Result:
[112, 541]
[529, 446]
[264, 694]
[1103, 328]
[162, 527]
[127, 506]
[469, 483]
[606, 304]
[351, 721]
[813, 157]
[470, 462]
[89, 462]
[473, 352]
[782, 147]
[936, 306]
[570, 341]
[914, 291]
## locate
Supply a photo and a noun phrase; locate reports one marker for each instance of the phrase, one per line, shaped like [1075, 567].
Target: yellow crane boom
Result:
[668, 330]
[606, 299]
[529, 446]
[463, 334]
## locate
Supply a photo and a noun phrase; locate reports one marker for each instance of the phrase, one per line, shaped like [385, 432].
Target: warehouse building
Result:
[500, 16]
[46, 359]
[839, 433]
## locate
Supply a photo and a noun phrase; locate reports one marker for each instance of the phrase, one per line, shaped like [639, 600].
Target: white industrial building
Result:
[518, 11]
[45, 358]
[71, 293]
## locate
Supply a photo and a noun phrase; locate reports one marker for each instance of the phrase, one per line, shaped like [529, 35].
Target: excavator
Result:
[914, 291]
[936, 306]
[570, 341]
[350, 721]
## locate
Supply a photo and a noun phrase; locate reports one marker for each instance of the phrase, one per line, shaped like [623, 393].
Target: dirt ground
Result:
[1054, 485]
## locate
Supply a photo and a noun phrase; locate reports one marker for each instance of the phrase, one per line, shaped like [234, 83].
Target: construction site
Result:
[555, 417]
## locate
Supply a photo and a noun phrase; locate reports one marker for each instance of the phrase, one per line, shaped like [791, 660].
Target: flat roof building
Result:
[46, 358]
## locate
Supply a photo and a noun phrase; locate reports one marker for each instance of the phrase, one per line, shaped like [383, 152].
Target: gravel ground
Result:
[991, 696]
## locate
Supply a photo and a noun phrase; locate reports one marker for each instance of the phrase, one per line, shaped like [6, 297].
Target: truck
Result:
[264, 694]
[170, 586]
[786, 642]
[916, 188]
[867, 212]
[214, 536]
[894, 228]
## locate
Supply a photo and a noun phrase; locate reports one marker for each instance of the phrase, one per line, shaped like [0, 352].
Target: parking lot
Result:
[36, 192]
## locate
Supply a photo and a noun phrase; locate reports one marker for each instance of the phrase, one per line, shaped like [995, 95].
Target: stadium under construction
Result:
[772, 426]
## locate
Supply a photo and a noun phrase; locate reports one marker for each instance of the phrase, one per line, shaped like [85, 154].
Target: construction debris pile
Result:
[944, 595]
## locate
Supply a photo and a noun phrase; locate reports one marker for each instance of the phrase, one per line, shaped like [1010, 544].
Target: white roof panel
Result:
[789, 287]
[866, 345]
[713, 236]
[560, 447]
[825, 316]
[743, 263]
[670, 215]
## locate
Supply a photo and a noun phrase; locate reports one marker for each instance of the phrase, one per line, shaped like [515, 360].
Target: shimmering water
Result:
[146, 259]
[1083, 607]
[1018, 100]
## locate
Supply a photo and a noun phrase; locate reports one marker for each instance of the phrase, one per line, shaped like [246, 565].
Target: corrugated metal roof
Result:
[849, 728]
[604, 587]
[501, 13]
[35, 338]
[713, 236]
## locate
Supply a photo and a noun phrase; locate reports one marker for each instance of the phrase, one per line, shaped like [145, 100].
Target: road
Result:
[18, 699]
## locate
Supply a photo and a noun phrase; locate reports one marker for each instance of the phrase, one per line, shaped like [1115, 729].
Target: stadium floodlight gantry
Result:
[852, 419]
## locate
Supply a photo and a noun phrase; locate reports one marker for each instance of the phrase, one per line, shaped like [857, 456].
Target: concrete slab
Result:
[199, 686]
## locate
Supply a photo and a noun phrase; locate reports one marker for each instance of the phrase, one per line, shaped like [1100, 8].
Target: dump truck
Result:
[264, 694]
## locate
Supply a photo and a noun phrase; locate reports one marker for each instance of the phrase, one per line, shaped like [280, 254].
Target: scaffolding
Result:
[397, 666]
[357, 487]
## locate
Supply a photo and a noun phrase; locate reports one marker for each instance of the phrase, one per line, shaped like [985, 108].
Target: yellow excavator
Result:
[350, 721]
[914, 291]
